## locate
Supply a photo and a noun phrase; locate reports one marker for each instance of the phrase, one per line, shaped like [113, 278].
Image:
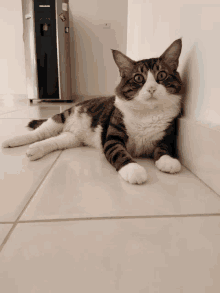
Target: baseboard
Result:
[199, 151]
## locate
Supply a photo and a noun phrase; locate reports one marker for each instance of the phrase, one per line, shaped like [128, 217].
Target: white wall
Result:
[154, 24]
[93, 69]
[12, 68]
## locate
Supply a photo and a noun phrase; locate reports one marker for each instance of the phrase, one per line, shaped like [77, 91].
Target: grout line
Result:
[113, 218]
[7, 236]
[121, 217]
[21, 213]
[8, 222]
[97, 218]
[8, 113]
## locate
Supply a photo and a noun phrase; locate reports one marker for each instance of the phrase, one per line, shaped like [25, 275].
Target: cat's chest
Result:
[144, 132]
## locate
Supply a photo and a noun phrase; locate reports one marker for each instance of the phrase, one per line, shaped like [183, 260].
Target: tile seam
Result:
[111, 218]
[23, 210]
[99, 218]
[10, 112]
[114, 218]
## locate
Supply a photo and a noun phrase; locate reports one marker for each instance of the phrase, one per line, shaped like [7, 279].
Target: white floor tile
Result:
[19, 177]
[142, 255]
[82, 183]
[170, 254]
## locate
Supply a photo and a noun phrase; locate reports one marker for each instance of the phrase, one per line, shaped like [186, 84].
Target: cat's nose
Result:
[151, 90]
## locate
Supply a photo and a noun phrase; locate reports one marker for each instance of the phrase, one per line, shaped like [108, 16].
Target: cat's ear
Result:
[124, 63]
[172, 54]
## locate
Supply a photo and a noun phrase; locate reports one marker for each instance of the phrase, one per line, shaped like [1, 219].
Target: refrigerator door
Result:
[63, 49]
[46, 49]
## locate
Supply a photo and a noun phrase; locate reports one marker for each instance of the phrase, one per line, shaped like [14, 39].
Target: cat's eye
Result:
[162, 75]
[138, 78]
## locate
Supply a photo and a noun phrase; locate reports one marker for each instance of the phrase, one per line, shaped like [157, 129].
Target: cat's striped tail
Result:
[59, 118]
[43, 129]
[33, 124]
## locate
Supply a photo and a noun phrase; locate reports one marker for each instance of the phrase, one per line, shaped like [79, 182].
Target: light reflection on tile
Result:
[82, 183]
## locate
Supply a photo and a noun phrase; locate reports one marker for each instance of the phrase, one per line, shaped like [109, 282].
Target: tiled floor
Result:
[69, 223]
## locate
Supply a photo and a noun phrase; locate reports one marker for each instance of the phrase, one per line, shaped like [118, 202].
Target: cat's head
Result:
[149, 82]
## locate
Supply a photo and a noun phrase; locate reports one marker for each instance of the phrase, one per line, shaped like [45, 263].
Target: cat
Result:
[138, 121]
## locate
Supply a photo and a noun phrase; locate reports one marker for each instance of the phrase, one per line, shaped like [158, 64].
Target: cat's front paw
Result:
[168, 164]
[35, 151]
[133, 173]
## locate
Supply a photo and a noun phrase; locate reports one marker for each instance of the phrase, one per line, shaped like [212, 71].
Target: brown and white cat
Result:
[139, 121]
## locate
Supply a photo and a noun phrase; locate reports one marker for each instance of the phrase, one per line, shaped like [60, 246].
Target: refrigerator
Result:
[47, 50]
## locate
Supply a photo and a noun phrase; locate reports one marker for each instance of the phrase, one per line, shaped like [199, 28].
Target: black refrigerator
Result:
[47, 49]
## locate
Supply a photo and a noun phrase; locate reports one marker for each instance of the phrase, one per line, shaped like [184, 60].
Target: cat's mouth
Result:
[152, 98]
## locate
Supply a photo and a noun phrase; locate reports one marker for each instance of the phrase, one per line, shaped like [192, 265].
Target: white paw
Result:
[13, 142]
[133, 173]
[168, 164]
[35, 151]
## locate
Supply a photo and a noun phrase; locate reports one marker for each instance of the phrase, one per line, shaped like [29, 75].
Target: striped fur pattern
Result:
[140, 120]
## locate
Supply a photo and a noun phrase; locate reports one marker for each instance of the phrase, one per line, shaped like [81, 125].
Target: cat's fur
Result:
[139, 121]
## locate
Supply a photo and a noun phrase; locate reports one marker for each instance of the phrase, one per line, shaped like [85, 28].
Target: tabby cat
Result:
[140, 120]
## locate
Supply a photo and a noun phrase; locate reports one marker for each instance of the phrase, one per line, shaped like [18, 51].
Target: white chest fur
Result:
[146, 129]
[144, 133]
